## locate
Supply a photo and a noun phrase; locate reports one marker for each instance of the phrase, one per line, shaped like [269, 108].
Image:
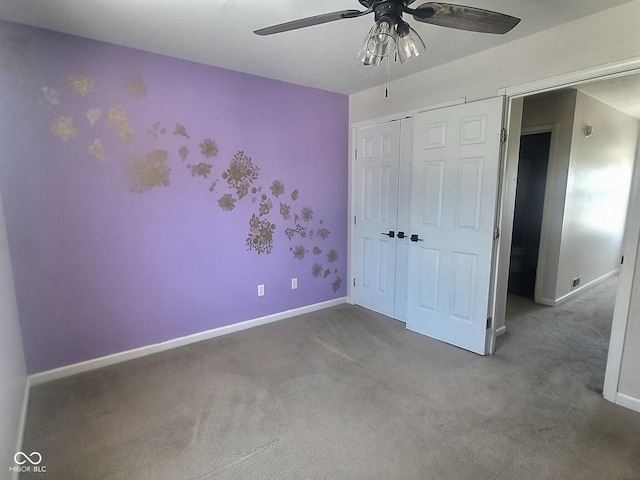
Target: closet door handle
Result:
[414, 238]
[391, 234]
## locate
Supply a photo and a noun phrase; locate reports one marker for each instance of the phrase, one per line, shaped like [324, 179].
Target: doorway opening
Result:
[621, 285]
[527, 218]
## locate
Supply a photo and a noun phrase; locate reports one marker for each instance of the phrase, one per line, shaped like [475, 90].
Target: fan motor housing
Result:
[388, 9]
[372, 3]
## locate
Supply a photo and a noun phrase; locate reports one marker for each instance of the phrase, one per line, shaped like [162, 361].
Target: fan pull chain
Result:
[386, 78]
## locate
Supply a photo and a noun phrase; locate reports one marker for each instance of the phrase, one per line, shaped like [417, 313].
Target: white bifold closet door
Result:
[426, 197]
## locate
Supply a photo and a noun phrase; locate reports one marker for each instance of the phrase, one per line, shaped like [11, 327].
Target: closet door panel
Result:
[453, 207]
[376, 218]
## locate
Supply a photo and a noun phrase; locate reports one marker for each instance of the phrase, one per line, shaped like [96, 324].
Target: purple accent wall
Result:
[119, 246]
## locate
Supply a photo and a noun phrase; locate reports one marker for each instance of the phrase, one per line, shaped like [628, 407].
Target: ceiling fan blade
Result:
[309, 21]
[464, 18]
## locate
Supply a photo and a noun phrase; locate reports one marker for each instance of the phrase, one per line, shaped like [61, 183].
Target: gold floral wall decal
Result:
[307, 214]
[118, 117]
[265, 206]
[156, 129]
[299, 230]
[285, 211]
[316, 270]
[323, 233]
[63, 127]
[97, 150]
[289, 232]
[136, 87]
[299, 252]
[227, 202]
[241, 173]
[51, 97]
[81, 84]
[277, 188]
[255, 191]
[119, 121]
[260, 238]
[93, 115]
[200, 170]
[126, 134]
[183, 152]
[181, 130]
[148, 171]
[241, 179]
[209, 148]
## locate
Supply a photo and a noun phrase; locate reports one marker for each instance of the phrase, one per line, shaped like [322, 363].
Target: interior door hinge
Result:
[355, 220]
[503, 135]
[496, 233]
[354, 282]
[489, 320]
[356, 153]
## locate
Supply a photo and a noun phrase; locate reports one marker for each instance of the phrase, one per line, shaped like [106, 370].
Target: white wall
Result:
[598, 184]
[596, 40]
[13, 370]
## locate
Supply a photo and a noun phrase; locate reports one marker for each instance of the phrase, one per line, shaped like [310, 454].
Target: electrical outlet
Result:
[261, 290]
[294, 283]
[576, 282]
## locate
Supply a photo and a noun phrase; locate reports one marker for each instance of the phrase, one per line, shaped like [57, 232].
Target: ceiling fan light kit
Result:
[391, 34]
[379, 43]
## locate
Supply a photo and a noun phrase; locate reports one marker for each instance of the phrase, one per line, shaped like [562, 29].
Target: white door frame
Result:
[632, 232]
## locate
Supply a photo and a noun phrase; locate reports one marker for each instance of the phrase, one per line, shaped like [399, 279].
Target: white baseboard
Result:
[96, 363]
[553, 303]
[501, 331]
[627, 401]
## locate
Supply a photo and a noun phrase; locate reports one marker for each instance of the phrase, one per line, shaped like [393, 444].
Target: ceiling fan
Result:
[391, 34]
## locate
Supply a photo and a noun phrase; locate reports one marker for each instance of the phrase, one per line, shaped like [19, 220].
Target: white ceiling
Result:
[220, 33]
[621, 93]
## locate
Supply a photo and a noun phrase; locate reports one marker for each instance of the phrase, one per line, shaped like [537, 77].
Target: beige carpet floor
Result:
[345, 393]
